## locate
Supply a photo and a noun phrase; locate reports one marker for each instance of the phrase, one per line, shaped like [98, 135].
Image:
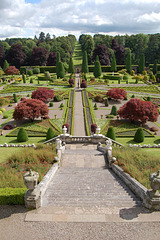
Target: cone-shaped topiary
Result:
[141, 65]
[113, 64]
[71, 66]
[111, 133]
[85, 63]
[24, 78]
[58, 59]
[22, 135]
[139, 135]
[128, 62]
[97, 68]
[114, 110]
[15, 98]
[50, 134]
[60, 70]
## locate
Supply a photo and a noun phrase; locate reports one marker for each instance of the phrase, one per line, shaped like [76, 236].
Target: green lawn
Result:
[147, 140]
[5, 154]
[77, 55]
[31, 140]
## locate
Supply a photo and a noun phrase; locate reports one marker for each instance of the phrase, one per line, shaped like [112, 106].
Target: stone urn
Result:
[155, 184]
[32, 196]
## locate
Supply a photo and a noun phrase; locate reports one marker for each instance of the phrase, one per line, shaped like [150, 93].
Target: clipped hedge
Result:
[51, 69]
[110, 77]
[12, 196]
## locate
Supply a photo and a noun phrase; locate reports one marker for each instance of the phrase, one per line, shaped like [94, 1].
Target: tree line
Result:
[106, 46]
[42, 50]
[36, 52]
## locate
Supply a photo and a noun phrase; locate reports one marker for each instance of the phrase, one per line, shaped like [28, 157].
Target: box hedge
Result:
[12, 196]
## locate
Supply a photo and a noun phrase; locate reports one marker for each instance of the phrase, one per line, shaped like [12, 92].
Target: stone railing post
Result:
[152, 200]
[32, 196]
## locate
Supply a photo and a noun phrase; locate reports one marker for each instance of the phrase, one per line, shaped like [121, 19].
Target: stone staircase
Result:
[85, 190]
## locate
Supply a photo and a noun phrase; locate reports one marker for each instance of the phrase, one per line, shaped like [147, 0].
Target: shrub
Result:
[98, 98]
[11, 70]
[95, 106]
[0, 112]
[139, 135]
[8, 127]
[111, 133]
[58, 98]
[93, 127]
[36, 70]
[24, 78]
[61, 105]
[66, 125]
[117, 93]
[31, 80]
[148, 98]
[43, 94]
[83, 85]
[51, 104]
[15, 98]
[29, 72]
[60, 70]
[110, 116]
[22, 135]
[154, 129]
[50, 134]
[4, 101]
[2, 109]
[132, 73]
[106, 102]
[5, 116]
[114, 110]
[12, 196]
[125, 77]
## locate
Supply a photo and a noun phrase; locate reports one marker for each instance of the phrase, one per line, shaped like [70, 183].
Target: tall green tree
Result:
[71, 66]
[58, 59]
[113, 64]
[142, 63]
[5, 66]
[128, 62]
[97, 68]
[85, 63]
[60, 70]
[155, 67]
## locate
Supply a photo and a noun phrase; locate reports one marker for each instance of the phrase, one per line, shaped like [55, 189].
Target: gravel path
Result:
[13, 227]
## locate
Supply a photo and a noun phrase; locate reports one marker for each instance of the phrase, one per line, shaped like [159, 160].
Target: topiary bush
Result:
[83, 85]
[51, 104]
[106, 103]
[95, 106]
[98, 98]
[0, 112]
[111, 133]
[139, 135]
[36, 70]
[31, 80]
[58, 98]
[50, 134]
[22, 135]
[93, 127]
[29, 72]
[114, 110]
[15, 98]
[148, 98]
[8, 127]
[2, 109]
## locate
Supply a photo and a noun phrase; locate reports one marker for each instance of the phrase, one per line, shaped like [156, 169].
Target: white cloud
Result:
[17, 17]
[153, 17]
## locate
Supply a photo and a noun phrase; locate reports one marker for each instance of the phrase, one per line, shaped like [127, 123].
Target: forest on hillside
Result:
[42, 50]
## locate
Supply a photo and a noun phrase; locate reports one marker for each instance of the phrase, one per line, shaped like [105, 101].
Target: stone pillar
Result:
[32, 196]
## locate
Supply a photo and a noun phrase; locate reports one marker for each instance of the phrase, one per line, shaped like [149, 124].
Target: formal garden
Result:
[36, 101]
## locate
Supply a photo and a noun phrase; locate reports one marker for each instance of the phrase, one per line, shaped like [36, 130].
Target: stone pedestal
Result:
[32, 196]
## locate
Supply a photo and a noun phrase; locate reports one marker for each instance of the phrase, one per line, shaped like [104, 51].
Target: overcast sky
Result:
[27, 18]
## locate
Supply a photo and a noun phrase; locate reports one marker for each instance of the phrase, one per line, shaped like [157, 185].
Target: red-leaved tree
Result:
[31, 109]
[11, 70]
[117, 93]
[43, 94]
[136, 109]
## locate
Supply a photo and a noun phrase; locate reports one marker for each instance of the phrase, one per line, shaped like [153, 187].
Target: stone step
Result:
[86, 186]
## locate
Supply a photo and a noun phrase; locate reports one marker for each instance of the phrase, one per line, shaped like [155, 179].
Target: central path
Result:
[84, 190]
[79, 122]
